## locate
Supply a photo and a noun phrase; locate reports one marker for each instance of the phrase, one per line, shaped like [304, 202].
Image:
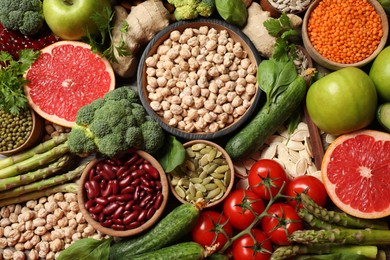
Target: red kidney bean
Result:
[137, 173]
[148, 177]
[102, 217]
[110, 208]
[92, 188]
[159, 200]
[118, 227]
[111, 161]
[139, 161]
[103, 184]
[151, 170]
[126, 213]
[136, 208]
[121, 171]
[129, 205]
[109, 170]
[150, 213]
[96, 209]
[117, 221]
[145, 200]
[102, 201]
[132, 159]
[133, 225]
[97, 178]
[136, 193]
[107, 223]
[90, 203]
[118, 212]
[128, 189]
[94, 216]
[157, 186]
[147, 189]
[95, 187]
[115, 168]
[135, 182]
[144, 181]
[91, 174]
[142, 215]
[131, 217]
[124, 197]
[125, 181]
[107, 191]
[112, 198]
[115, 186]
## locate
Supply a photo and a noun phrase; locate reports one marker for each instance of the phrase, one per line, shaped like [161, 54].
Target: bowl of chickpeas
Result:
[198, 79]
[339, 34]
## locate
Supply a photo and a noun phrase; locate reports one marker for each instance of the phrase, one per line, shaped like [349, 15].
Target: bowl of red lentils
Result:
[197, 79]
[124, 196]
[344, 33]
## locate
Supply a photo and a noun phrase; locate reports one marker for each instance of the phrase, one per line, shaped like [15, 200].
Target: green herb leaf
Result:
[172, 155]
[87, 248]
[273, 26]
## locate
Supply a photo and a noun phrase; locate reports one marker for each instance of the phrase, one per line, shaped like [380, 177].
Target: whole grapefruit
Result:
[356, 171]
[67, 76]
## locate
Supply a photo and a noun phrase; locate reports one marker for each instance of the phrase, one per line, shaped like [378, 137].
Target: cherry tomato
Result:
[244, 245]
[266, 173]
[281, 221]
[236, 208]
[308, 184]
[209, 228]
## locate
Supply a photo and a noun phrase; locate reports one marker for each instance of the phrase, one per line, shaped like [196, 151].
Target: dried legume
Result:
[345, 31]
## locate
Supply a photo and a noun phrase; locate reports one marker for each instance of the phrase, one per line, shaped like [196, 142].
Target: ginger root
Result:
[144, 21]
[258, 34]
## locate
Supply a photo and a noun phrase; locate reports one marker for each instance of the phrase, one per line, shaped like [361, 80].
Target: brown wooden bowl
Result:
[229, 162]
[237, 35]
[332, 65]
[82, 198]
[34, 137]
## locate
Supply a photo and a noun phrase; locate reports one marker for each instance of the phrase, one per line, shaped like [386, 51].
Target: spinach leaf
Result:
[87, 248]
[232, 11]
[172, 155]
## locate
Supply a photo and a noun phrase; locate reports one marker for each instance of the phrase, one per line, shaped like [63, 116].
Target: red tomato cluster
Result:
[242, 207]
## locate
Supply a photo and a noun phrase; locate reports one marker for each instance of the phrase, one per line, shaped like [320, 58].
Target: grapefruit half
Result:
[67, 76]
[356, 173]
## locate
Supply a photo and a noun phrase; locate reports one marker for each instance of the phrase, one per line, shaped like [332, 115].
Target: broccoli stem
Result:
[284, 252]
[40, 148]
[42, 173]
[43, 184]
[35, 161]
[67, 187]
[339, 218]
[342, 236]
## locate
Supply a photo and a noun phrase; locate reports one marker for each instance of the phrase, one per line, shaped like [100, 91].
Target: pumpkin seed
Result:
[220, 184]
[199, 195]
[206, 150]
[204, 160]
[203, 174]
[184, 182]
[207, 180]
[217, 175]
[190, 152]
[198, 147]
[222, 169]
[220, 194]
[191, 189]
[200, 187]
[220, 161]
[213, 193]
[190, 165]
[212, 154]
[212, 167]
[196, 180]
[210, 186]
[180, 191]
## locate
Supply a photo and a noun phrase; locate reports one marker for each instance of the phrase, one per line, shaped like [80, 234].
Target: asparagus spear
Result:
[42, 173]
[342, 236]
[67, 187]
[340, 218]
[35, 161]
[284, 252]
[43, 184]
[314, 221]
[40, 148]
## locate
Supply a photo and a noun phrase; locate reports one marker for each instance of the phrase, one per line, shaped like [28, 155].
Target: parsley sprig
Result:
[12, 96]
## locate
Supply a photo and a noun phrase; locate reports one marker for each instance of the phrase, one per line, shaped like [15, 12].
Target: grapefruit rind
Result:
[52, 117]
[378, 197]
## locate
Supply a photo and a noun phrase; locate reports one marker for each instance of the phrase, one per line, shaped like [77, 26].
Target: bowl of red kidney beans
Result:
[123, 196]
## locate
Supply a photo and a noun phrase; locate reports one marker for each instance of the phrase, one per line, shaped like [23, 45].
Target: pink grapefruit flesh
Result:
[356, 173]
[67, 76]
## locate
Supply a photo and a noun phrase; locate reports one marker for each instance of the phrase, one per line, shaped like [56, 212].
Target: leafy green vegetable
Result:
[12, 97]
[232, 11]
[386, 5]
[103, 44]
[87, 248]
[338, 256]
[172, 155]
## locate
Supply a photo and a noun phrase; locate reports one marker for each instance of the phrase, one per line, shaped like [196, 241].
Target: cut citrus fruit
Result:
[67, 76]
[356, 173]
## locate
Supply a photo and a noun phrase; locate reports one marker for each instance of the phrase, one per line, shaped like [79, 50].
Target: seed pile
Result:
[345, 31]
[204, 175]
[290, 6]
[14, 129]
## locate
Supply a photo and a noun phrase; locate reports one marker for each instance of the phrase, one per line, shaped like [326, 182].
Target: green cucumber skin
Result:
[168, 230]
[180, 251]
[266, 122]
[383, 115]
[217, 256]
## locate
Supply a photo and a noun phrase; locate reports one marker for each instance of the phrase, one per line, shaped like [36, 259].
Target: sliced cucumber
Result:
[383, 115]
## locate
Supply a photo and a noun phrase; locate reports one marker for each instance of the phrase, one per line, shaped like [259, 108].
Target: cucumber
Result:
[180, 251]
[173, 226]
[383, 115]
[217, 256]
[266, 122]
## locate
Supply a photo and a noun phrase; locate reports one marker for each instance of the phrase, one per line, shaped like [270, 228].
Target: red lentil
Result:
[345, 31]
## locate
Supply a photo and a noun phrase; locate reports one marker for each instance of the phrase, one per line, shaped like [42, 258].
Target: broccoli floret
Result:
[80, 141]
[139, 114]
[111, 144]
[23, 15]
[112, 112]
[134, 137]
[100, 128]
[98, 103]
[153, 136]
[190, 9]
[85, 115]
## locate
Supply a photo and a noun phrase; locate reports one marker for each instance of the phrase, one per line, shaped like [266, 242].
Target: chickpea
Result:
[190, 127]
[198, 102]
[213, 87]
[151, 62]
[204, 92]
[188, 100]
[202, 40]
[251, 79]
[240, 89]
[167, 114]
[228, 108]
[211, 45]
[221, 99]
[152, 81]
[210, 105]
[195, 51]
[237, 101]
[183, 76]
[155, 105]
[195, 90]
[221, 50]
[163, 49]
[173, 122]
[241, 81]
[175, 71]
[175, 35]
[252, 69]
[185, 53]
[181, 125]
[230, 96]
[176, 109]
[203, 30]
[167, 42]
[218, 58]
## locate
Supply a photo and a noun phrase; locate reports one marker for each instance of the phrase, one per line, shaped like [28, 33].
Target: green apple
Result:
[380, 74]
[71, 19]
